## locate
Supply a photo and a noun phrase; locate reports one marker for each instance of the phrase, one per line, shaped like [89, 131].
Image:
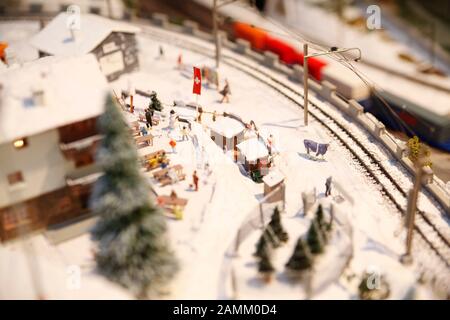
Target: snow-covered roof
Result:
[56, 38]
[253, 149]
[273, 178]
[227, 127]
[73, 90]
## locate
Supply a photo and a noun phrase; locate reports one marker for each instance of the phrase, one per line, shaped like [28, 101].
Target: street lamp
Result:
[305, 71]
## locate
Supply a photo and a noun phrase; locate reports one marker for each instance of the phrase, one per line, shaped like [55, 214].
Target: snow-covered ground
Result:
[17, 34]
[214, 213]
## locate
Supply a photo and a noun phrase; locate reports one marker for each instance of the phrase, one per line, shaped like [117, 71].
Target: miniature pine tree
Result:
[323, 225]
[265, 265]
[315, 238]
[131, 232]
[277, 228]
[155, 103]
[300, 259]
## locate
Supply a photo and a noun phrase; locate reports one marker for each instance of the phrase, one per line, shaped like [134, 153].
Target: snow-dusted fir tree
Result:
[133, 249]
[277, 227]
[155, 103]
[315, 237]
[301, 257]
[265, 267]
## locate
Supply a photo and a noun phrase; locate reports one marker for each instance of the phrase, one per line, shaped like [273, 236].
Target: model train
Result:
[429, 127]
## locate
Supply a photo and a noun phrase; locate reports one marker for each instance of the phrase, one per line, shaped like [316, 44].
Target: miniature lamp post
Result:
[420, 176]
[305, 71]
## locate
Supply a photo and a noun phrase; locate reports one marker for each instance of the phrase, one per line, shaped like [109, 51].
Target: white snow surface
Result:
[74, 89]
[17, 34]
[56, 39]
[226, 197]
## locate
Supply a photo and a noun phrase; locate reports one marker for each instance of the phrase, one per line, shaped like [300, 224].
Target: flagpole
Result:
[196, 104]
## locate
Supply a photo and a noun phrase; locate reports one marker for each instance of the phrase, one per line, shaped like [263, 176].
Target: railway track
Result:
[425, 227]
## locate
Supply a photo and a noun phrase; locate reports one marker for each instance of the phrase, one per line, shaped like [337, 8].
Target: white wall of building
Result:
[42, 164]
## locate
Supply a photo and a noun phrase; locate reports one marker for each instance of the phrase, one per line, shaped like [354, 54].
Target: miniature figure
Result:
[195, 180]
[161, 52]
[225, 92]
[328, 186]
[270, 144]
[144, 131]
[184, 134]
[173, 144]
[172, 119]
[180, 61]
[148, 117]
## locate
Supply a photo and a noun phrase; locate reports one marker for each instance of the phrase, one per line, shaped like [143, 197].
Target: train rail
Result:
[425, 227]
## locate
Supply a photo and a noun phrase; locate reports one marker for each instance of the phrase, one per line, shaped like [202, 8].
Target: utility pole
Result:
[411, 209]
[333, 50]
[216, 33]
[305, 83]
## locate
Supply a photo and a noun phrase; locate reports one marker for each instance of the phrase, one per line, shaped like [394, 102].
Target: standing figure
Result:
[195, 180]
[270, 144]
[173, 145]
[225, 92]
[172, 119]
[180, 61]
[184, 134]
[161, 52]
[148, 117]
[328, 186]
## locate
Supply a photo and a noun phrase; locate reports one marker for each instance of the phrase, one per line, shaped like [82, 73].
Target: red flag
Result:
[197, 81]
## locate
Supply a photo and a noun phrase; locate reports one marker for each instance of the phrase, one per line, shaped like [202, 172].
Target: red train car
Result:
[255, 36]
[260, 40]
[285, 51]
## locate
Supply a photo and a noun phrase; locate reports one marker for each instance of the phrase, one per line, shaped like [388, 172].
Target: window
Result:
[63, 7]
[20, 143]
[35, 8]
[15, 178]
[12, 218]
[84, 159]
[94, 10]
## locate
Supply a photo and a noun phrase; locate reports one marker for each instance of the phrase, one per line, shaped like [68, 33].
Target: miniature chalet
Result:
[253, 154]
[227, 133]
[112, 42]
[48, 136]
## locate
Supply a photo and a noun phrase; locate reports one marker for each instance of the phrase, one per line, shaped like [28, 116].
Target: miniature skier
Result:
[184, 134]
[148, 117]
[214, 116]
[3, 46]
[195, 180]
[161, 52]
[225, 92]
[173, 145]
[163, 160]
[328, 186]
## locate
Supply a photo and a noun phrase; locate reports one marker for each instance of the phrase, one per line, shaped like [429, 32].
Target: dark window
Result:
[15, 178]
[94, 10]
[35, 8]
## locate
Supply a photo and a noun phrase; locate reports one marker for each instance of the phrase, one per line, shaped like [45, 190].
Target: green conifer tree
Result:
[277, 227]
[155, 103]
[133, 249]
[315, 238]
[300, 259]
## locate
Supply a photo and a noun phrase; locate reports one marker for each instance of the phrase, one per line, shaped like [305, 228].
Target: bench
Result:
[162, 175]
[152, 160]
[144, 141]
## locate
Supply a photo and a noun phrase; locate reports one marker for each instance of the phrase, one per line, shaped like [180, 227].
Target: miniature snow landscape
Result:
[189, 196]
